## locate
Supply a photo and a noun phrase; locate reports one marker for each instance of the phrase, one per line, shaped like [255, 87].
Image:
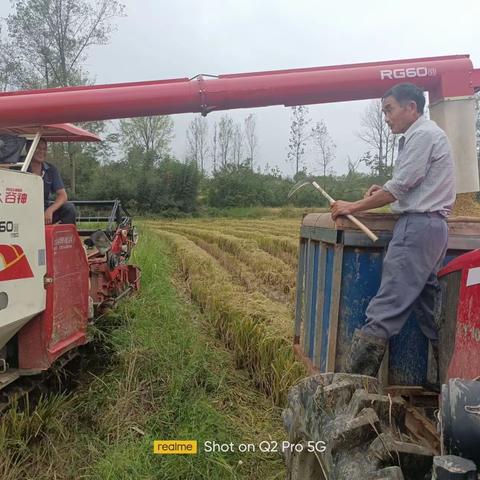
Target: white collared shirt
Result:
[424, 172]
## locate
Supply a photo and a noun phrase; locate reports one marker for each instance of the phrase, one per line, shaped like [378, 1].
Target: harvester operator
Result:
[59, 210]
[422, 191]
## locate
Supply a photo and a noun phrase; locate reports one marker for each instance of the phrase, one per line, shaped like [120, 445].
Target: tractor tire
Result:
[362, 430]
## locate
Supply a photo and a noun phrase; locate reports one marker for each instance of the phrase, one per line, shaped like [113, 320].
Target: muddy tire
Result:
[363, 432]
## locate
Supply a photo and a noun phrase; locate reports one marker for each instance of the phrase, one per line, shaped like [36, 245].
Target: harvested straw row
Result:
[271, 270]
[241, 272]
[253, 327]
[283, 247]
[290, 227]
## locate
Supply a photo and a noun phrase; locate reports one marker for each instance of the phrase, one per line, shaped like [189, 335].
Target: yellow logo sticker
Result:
[175, 447]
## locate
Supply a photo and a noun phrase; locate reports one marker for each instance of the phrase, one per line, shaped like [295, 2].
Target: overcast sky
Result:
[181, 38]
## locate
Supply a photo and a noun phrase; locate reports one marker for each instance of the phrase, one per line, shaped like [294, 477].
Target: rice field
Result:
[156, 371]
[241, 272]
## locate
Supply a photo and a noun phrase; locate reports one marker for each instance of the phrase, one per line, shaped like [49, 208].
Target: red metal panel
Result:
[465, 362]
[476, 79]
[441, 76]
[63, 323]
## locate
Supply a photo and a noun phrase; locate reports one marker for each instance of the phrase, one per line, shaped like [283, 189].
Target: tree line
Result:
[220, 168]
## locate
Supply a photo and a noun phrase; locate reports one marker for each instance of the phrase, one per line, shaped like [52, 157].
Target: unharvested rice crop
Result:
[242, 273]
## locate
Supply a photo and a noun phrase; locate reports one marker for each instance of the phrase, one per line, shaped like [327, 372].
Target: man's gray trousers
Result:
[409, 277]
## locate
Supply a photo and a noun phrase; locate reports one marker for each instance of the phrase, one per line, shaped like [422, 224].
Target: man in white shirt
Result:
[422, 190]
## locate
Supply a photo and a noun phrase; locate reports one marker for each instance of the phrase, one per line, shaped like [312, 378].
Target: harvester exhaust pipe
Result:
[354, 220]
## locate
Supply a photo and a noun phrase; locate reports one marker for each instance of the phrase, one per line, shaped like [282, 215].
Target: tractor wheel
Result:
[363, 432]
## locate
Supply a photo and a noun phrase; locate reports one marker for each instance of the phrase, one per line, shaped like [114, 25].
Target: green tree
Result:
[324, 147]
[299, 135]
[179, 184]
[235, 186]
[152, 135]
[80, 162]
[49, 42]
[197, 142]
[238, 186]
[251, 138]
[224, 137]
[51, 38]
[113, 181]
[377, 134]
[238, 139]
[10, 67]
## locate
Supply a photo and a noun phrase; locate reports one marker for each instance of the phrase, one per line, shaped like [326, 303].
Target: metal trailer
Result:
[339, 272]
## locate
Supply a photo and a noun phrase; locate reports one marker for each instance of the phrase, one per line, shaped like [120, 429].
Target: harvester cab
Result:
[22, 232]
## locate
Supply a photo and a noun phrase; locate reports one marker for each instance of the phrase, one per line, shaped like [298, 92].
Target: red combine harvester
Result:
[42, 266]
[52, 283]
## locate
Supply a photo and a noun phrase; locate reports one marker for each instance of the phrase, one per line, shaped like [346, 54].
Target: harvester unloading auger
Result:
[374, 428]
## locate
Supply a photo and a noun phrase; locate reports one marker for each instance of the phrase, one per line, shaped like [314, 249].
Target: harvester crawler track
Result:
[26, 386]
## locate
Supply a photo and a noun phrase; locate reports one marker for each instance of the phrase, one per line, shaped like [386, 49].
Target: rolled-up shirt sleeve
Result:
[411, 170]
